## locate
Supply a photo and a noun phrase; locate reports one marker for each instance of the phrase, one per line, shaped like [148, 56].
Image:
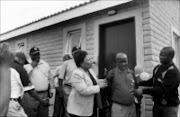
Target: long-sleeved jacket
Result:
[81, 98]
[163, 86]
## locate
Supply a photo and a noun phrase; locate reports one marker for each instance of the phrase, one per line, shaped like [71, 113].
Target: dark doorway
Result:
[116, 37]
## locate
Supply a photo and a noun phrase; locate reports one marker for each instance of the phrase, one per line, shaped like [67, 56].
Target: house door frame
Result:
[137, 14]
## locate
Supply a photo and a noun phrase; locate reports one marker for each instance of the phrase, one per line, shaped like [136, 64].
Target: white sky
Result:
[14, 13]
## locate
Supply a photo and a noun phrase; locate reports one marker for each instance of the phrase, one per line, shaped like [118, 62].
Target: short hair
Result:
[118, 55]
[170, 51]
[21, 55]
[79, 57]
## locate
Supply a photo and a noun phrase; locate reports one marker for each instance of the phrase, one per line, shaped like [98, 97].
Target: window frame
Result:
[68, 29]
[175, 31]
[20, 42]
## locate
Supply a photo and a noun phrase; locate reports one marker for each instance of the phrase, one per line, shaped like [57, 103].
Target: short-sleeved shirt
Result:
[67, 68]
[16, 84]
[23, 76]
[40, 75]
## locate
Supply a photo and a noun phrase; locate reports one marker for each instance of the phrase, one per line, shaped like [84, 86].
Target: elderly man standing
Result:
[163, 85]
[121, 81]
[40, 76]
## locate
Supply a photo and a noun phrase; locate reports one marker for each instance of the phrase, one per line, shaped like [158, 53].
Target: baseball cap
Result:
[21, 55]
[34, 50]
[75, 49]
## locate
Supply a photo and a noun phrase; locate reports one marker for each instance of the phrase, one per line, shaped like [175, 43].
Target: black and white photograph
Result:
[89, 58]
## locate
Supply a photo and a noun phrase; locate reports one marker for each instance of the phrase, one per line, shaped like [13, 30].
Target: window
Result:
[175, 34]
[21, 46]
[73, 39]
[176, 46]
[73, 36]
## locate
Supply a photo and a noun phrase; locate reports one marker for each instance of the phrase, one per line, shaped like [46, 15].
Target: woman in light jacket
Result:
[84, 87]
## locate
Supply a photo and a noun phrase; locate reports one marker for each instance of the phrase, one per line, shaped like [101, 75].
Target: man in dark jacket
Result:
[17, 64]
[163, 86]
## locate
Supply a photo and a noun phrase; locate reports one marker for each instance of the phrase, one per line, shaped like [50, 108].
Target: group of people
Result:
[78, 90]
[163, 87]
[28, 84]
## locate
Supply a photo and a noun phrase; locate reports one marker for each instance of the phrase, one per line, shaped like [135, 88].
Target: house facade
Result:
[140, 28]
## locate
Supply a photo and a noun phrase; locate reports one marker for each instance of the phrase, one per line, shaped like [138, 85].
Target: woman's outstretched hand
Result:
[102, 83]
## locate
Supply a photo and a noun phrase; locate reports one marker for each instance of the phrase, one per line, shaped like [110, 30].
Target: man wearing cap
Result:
[67, 68]
[20, 83]
[40, 76]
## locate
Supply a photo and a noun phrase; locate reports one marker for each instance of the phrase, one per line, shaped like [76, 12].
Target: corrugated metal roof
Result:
[72, 12]
[46, 17]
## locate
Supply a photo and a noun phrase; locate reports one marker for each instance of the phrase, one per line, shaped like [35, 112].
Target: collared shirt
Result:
[40, 75]
[67, 68]
[16, 84]
[122, 83]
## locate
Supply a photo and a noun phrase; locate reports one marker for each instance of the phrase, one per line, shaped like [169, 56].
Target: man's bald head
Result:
[169, 51]
[121, 55]
[166, 55]
[122, 61]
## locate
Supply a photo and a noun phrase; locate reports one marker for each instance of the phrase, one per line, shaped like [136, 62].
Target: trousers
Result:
[161, 111]
[33, 108]
[15, 109]
[119, 110]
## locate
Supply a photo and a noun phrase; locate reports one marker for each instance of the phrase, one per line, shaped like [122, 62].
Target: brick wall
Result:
[49, 41]
[158, 18]
[90, 37]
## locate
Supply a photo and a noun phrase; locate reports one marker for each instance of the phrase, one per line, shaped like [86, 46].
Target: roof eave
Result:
[79, 11]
